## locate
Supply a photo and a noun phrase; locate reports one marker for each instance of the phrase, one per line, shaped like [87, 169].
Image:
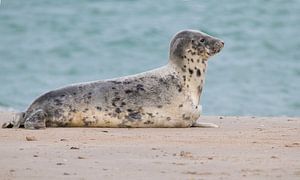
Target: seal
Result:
[165, 97]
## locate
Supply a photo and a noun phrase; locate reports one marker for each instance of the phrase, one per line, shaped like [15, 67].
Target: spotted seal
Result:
[165, 97]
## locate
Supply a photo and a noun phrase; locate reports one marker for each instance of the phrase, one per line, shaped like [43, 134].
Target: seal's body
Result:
[164, 97]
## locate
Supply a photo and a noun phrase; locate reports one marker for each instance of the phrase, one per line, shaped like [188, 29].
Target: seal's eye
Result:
[202, 40]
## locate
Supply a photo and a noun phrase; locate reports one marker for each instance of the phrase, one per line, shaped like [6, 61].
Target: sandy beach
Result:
[242, 148]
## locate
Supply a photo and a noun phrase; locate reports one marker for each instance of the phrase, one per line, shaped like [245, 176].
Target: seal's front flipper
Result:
[204, 125]
[37, 120]
[16, 122]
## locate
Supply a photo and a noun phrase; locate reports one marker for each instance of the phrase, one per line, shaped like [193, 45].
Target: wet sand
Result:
[242, 148]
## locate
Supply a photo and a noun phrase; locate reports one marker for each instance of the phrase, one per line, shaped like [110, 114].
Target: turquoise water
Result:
[45, 44]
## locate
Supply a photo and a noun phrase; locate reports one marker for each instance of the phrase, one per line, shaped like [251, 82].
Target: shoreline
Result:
[243, 147]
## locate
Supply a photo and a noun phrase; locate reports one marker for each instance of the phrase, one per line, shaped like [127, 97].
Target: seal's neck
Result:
[192, 69]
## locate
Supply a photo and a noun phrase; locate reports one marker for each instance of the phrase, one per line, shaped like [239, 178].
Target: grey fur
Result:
[164, 97]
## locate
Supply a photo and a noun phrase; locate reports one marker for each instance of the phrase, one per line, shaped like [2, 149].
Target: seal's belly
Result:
[142, 117]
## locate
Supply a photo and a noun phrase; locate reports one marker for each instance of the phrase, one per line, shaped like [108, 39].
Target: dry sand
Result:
[242, 148]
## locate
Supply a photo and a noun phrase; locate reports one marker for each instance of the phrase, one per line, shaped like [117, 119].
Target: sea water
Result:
[46, 44]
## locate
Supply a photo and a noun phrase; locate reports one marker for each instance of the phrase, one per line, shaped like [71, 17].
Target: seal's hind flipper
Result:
[16, 122]
[8, 124]
[205, 125]
[37, 120]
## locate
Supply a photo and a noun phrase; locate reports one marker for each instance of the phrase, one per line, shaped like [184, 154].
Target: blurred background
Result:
[46, 44]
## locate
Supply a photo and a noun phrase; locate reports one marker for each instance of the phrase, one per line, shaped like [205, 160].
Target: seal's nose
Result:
[218, 46]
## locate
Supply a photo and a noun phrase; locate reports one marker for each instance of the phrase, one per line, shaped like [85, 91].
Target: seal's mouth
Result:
[216, 48]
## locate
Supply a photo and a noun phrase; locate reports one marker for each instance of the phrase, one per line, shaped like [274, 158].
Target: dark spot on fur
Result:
[113, 88]
[191, 71]
[192, 59]
[159, 106]
[179, 86]
[129, 110]
[58, 102]
[58, 113]
[98, 108]
[116, 82]
[179, 89]
[168, 118]
[86, 123]
[118, 110]
[186, 117]
[127, 91]
[115, 100]
[198, 72]
[126, 82]
[149, 122]
[62, 95]
[183, 69]
[134, 116]
[73, 110]
[180, 105]
[140, 87]
[184, 78]
[150, 114]
[123, 104]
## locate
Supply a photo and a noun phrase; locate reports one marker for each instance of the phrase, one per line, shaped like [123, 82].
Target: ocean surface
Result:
[46, 44]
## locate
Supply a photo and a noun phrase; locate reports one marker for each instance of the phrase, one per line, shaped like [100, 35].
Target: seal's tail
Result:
[16, 121]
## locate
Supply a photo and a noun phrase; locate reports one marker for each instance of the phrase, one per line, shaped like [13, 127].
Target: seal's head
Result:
[194, 43]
